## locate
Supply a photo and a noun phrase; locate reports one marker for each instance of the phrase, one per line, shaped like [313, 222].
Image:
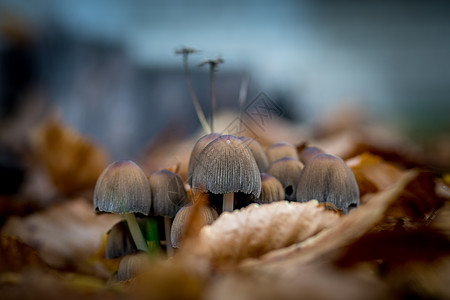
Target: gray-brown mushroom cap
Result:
[287, 170]
[271, 189]
[227, 165]
[119, 241]
[279, 150]
[168, 193]
[122, 188]
[327, 178]
[207, 215]
[198, 147]
[258, 153]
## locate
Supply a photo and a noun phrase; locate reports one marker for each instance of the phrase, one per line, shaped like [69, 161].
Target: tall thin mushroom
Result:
[226, 166]
[123, 188]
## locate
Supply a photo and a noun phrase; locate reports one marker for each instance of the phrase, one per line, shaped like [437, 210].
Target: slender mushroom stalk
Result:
[213, 63]
[136, 232]
[227, 166]
[198, 109]
[169, 196]
[228, 202]
[122, 188]
[167, 229]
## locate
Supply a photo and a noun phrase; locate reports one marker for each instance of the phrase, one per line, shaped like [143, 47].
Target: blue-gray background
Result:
[109, 65]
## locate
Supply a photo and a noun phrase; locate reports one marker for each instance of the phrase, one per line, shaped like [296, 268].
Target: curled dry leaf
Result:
[65, 235]
[258, 229]
[73, 162]
[372, 173]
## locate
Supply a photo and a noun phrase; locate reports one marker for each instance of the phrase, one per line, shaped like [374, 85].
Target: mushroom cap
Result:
[327, 178]
[271, 189]
[122, 188]
[279, 150]
[207, 214]
[132, 265]
[168, 193]
[198, 147]
[287, 170]
[119, 241]
[227, 165]
[258, 153]
[308, 152]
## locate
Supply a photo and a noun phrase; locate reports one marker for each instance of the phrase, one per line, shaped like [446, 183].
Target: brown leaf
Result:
[65, 235]
[16, 256]
[73, 162]
[258, 229]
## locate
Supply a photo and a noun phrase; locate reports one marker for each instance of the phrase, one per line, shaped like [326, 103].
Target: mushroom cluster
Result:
[123, 188]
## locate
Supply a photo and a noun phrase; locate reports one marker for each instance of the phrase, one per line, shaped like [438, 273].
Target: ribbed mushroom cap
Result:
[227, 165]
[207, 214]
[168, 193]
[327, 178]
[119, 241]
[258, 153]
[198, 147]
[271, 189]
[122, 188]
[132, 265]
[287, 170]
[308, 152]
[279, 150]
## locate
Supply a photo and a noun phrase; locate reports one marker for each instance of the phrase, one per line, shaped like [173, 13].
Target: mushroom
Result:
[119, 241]
[258, 153]
[327, 178]
[287, 170]
[198, 147]
[271, 189]
[279, 150]
[123, 188]
[132, 265]
[226, 166]
[207, 215]
[308, 152]
[169, 196]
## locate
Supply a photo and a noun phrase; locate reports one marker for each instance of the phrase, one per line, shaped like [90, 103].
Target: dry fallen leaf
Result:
[73, 162]
[65, 235]
[258, 229]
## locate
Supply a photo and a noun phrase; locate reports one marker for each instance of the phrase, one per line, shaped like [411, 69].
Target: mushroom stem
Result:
[167, 229]
[198, 109]
[136, 233]
[213, 96]
[228, 202]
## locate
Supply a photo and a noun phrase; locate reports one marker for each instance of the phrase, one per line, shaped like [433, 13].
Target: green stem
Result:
[136, 233]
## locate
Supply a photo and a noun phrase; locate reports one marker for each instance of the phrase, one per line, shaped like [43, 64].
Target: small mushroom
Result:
[207, 214]
[132, 265]
[327, 178]
[287, 170]
[226, 166]
[169, 196]
[123, 188]
[271, 189]
[198, 147]
[119, 241]
[308, 152]
[279, 150]
[258, 153]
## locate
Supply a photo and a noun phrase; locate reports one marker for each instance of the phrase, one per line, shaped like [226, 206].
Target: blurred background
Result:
[109, 68]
